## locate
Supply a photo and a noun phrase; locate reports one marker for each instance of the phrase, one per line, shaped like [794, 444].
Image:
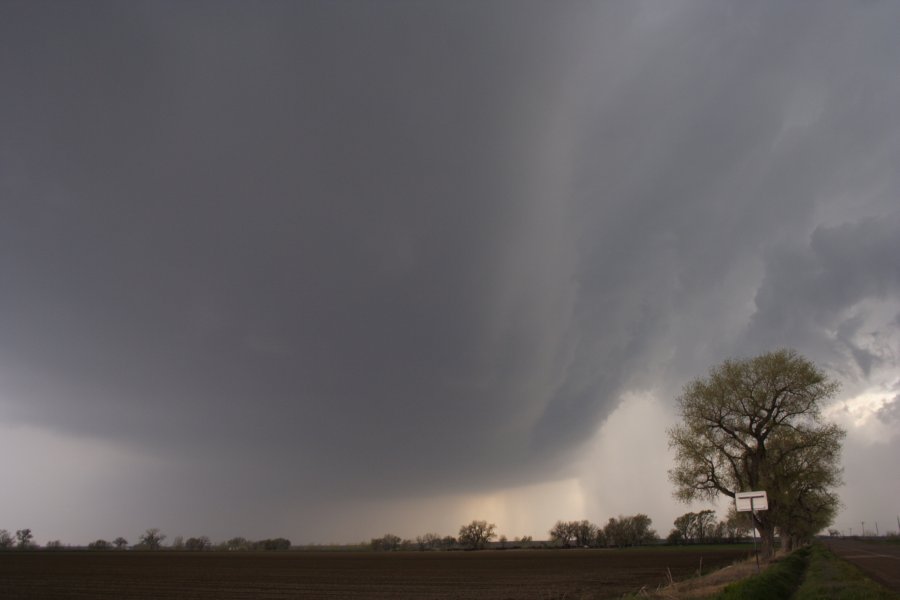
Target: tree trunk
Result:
[766, 535]
[767, 543]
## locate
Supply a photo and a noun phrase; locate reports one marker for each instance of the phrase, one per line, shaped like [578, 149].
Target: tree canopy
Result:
[756, 424]
[151, 539]
[476, 534]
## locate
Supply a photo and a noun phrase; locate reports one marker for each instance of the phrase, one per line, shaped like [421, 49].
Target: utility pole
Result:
[863, 523]
[876, 529]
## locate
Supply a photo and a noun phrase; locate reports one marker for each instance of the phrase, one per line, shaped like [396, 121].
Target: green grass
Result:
[830, 577]
[778, 581]
[811, 573]
[748, 546]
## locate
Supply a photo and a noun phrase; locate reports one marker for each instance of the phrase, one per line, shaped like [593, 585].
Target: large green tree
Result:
[757, 424]
[804, 489]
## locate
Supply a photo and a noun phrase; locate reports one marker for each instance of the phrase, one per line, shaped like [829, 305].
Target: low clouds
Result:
[889, 413]
[838, 293]
[299, 254]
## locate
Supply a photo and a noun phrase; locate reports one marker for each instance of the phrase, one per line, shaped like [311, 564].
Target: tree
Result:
[387, 542]
[639, 531]
[805, 514]
[738, 525]
[563, 533]
[705, 525]
[6, 540]
[429, 541]
[683, 528]
[806, 501]
[628, 531]
[694, 527]
[756, 424]
[237, 543]
[151, 539]
[197, 544]
[23, 538]
[578, 533]
[614, 533]
[676, 536]
[99, 545]
[120, 543]
[476, 534]
[585, 533]
[525, 541]
[273, 544]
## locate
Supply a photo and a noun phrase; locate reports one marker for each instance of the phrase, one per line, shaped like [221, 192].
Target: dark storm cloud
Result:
[382, 248]
[286, 234]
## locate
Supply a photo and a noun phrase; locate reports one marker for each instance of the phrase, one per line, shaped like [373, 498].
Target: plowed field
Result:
[881, 561]
[526, 574]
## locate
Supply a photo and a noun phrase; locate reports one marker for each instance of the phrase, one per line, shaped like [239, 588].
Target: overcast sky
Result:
[327, 270]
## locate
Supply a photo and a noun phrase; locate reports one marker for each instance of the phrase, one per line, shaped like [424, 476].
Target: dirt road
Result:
[880, 561]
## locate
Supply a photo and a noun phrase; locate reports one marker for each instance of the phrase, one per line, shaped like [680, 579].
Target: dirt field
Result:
[526, 574]
[879, 561]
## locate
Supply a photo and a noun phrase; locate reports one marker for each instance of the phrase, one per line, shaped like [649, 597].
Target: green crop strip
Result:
[778, 581]
[809, 574]
[830, 577]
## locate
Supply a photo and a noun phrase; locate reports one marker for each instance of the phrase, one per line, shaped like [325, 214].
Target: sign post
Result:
[752, 502]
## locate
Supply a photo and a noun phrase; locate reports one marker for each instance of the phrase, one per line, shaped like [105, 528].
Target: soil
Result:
[878, 560]
[505, 574]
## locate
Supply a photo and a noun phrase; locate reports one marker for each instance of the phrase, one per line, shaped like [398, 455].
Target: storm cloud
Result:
[291, 257]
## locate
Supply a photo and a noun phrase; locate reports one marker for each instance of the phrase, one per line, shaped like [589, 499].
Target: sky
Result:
[327, 270]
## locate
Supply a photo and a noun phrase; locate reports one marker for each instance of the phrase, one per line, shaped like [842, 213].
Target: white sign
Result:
[746, 501]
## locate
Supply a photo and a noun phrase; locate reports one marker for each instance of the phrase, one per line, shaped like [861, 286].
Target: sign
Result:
[749, 501]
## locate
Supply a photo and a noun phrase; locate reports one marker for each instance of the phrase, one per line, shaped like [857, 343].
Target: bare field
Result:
[880, 561]
[527, 574]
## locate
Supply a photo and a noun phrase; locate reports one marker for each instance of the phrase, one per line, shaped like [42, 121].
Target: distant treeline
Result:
[619, 532]
[151, 539]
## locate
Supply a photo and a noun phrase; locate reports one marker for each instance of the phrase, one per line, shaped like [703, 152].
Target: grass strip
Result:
[830, 577]
[778, 581]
